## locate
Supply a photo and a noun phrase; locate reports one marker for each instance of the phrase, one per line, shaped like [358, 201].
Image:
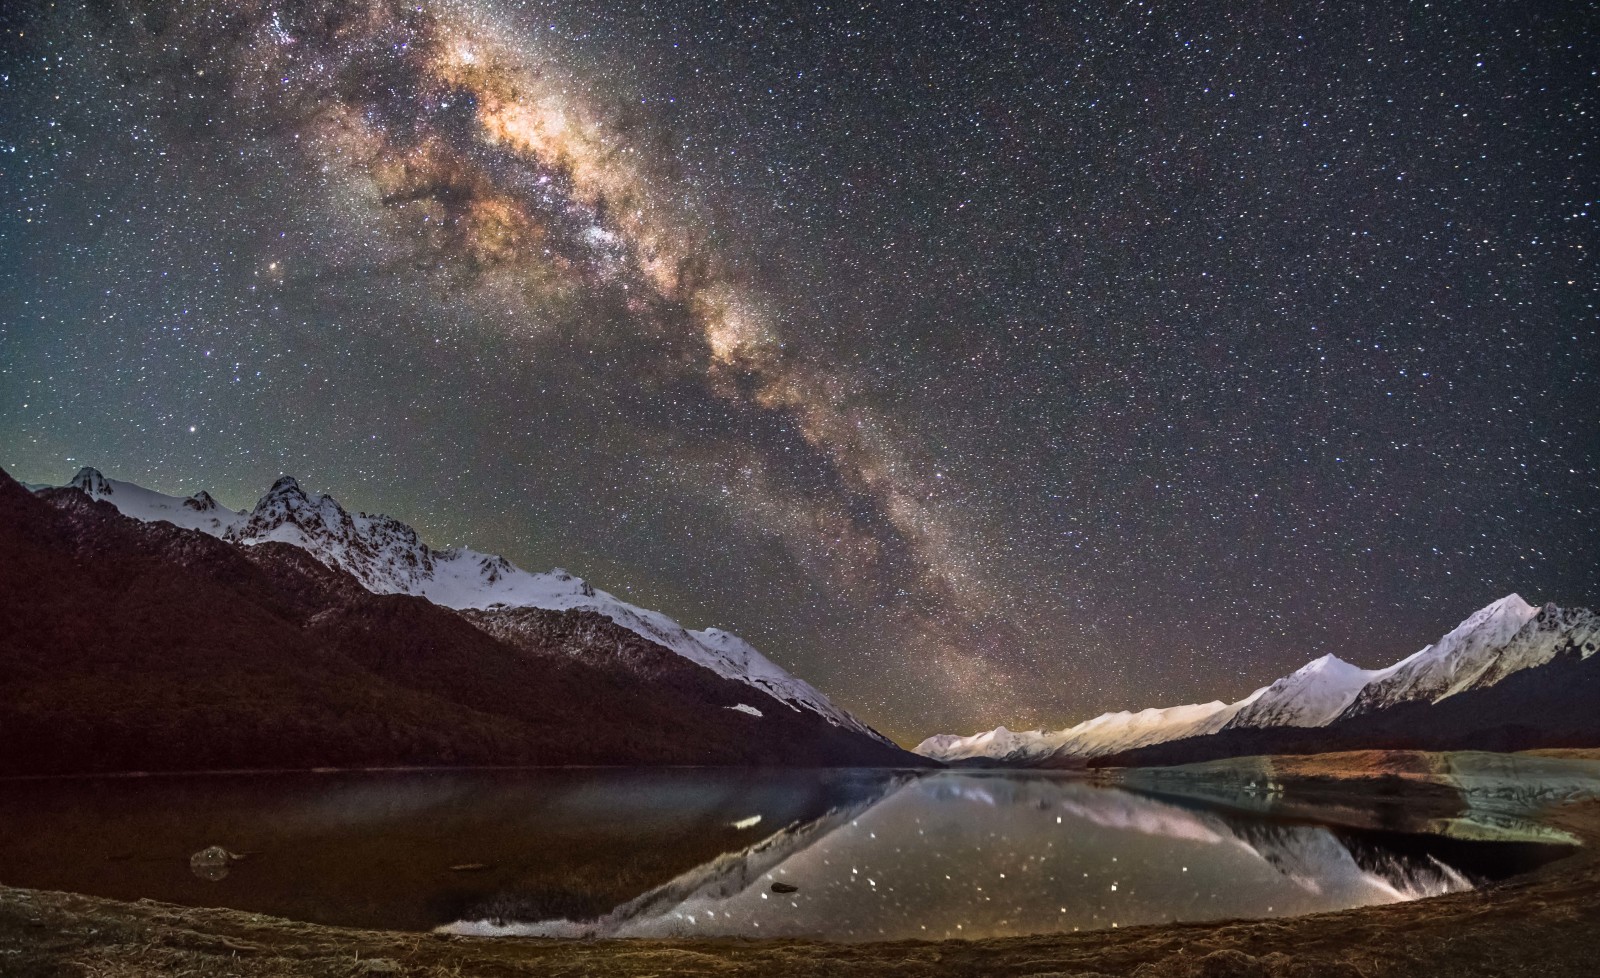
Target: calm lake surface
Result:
[854, 855]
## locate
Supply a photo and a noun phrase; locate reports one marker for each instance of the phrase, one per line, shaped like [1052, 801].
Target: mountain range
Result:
[151, 632]
[144, 631]
[387, 557]
[1511, 675]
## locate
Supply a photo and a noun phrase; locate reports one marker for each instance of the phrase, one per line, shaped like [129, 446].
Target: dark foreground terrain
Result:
[1545, 924]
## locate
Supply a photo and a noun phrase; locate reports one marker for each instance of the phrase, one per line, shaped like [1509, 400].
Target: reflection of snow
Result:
[1132, 813]
[700, 889]
[1111, 809]
[977, 855]
[1413, 879]
[1319, 861]
[1311, 856]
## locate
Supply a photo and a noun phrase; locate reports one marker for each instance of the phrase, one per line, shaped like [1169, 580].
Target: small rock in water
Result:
[211, 863]
[785, 888]
[468, 867]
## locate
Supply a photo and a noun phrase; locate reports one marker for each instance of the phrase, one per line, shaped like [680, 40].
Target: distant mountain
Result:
[133, 645]
[1553, 705]
[388, 557]
[1320, 706]
[1105, 734]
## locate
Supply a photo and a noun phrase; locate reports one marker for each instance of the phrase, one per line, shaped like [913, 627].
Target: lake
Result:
[836, 854]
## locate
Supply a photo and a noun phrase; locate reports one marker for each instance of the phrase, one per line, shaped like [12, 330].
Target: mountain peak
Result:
[201, 502]
[198, 512]
[286, 485]
[1513, 603]
[90, 480]
[1501, 638]
[1453, 663]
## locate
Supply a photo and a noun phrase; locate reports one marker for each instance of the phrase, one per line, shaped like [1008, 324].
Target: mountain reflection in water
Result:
[835, 854]
[986, 855]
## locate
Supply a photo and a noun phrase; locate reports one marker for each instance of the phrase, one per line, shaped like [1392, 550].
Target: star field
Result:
[1002, 363]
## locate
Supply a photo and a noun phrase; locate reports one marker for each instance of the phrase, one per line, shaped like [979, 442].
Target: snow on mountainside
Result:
[1105, 734]
[1308, 697]
[1112, 732]
[998, 744]
[1551, 630]
[196, 512]
[1506, 637]
[1452, 663]
[388, 557]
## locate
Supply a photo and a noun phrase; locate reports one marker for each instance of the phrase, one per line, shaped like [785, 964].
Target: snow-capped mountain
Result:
[388, 557]
[1505, 638]
[1105, 734]
[1450, 664]
[998, 744]
[1538, 641]
[1308, 697]
[297, 666]
[196, 512]
[1111, 732]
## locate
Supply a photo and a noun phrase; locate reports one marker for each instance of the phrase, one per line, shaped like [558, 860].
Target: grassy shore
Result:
[1546, 923]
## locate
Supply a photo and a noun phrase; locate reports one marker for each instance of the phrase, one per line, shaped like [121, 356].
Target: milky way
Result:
[990, 365]
[483, 163]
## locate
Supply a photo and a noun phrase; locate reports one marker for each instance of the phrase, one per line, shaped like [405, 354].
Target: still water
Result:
[845, 855]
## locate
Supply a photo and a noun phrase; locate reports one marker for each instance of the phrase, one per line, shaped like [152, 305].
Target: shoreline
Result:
[450, 768]
[1545, 922]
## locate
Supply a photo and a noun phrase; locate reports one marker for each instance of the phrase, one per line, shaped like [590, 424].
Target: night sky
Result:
[987, 363]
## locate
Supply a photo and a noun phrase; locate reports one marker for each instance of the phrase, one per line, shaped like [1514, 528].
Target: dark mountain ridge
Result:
[129, 645]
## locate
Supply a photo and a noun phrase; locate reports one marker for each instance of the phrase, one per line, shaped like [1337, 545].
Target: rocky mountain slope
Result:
[131, 645]
[1452, 663]
[388, 557]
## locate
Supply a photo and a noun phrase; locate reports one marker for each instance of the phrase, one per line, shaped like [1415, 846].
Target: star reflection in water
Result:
[969, 855]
